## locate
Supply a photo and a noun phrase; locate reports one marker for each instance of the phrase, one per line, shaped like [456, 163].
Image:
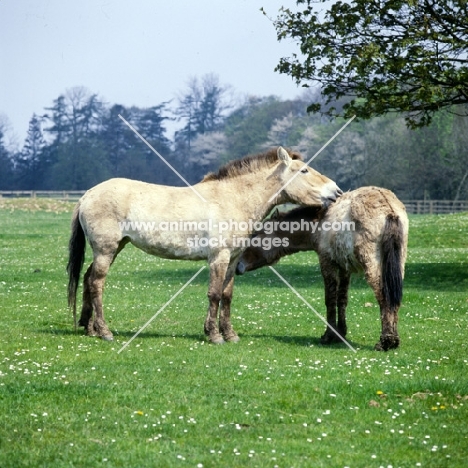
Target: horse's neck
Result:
[305, 240]
[266, 194]
[252, 193]
[293, 247]
[260, 208]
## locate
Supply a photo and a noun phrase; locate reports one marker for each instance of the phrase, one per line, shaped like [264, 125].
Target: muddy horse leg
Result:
[93, 285]
[331, 284]
[218, 270]
[225, 326]
[389, 338]
[86, 318]
[342, 299]
[97, 278]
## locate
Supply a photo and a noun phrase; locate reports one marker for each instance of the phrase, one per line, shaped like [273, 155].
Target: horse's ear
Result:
[284, 156]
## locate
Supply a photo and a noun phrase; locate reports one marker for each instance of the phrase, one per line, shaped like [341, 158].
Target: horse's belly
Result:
[172, 246]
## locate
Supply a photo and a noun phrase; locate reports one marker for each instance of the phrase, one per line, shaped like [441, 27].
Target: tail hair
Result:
[76, 249]
[392, 251]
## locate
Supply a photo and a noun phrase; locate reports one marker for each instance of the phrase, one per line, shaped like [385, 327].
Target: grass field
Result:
[277, 398]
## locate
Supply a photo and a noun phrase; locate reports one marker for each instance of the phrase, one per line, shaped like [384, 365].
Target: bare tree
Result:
[202, 107]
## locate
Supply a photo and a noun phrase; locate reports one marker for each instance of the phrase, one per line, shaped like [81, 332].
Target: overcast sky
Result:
[139, 53]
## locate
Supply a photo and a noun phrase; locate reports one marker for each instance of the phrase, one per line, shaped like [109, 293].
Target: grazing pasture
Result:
[277, 398]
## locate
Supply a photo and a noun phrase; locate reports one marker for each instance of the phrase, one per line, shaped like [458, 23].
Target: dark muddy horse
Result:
[365, 230]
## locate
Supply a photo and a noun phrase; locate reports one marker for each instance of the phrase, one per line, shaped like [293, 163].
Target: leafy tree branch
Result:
[385, 56]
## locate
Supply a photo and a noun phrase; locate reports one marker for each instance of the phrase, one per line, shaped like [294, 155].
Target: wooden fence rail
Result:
[435, 206]
[71, 195]
[412, 206]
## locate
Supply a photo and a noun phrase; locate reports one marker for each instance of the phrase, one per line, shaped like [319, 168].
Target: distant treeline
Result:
[81, 141]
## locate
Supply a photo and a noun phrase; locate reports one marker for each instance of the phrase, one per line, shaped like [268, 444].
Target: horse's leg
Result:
[389, 338]
[97, 277]
[331, 282]
[218, 269]
[342, 299]
[225, 326]
[86, 319]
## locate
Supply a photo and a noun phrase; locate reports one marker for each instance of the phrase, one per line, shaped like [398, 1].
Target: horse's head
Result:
[259, 255]
[303, 185]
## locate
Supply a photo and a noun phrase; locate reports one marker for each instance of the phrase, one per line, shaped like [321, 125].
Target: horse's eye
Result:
[304, 171]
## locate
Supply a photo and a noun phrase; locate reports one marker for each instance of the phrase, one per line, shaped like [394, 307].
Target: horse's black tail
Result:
[76, 248]
[392, 251]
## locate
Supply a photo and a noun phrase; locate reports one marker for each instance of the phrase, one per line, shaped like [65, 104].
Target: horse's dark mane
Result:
[247, 164]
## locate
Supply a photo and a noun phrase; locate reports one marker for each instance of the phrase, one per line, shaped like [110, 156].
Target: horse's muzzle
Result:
[330, 194]
[240, 268]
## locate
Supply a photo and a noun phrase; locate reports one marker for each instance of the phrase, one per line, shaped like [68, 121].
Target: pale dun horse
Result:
[241, 191]
[375, 243]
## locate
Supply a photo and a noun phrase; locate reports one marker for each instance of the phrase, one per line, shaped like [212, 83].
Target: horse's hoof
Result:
[328, 339]
[233, 339]
[217, 340]
[388, 342]
[107, 338]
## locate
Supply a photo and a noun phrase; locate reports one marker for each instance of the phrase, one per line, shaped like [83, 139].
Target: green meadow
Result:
[278, 398]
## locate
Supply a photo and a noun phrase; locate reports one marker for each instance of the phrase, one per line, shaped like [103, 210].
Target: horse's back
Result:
[125, 199]
[114, 201]
[109, 196]
[371, 202]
